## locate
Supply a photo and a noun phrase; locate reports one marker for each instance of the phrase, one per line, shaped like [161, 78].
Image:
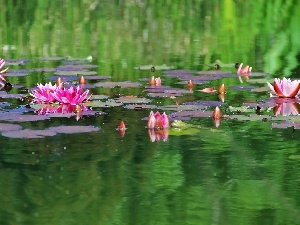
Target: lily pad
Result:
[241, 88]
[45, 70]
[163, 95]
[74, 129]
[75, 73]
[17, 117]
[140, 106]
[149, 67]
[125, 100]
[261, 89]
[125, 84]
[194, 113]
[175, 73]
[99, 97]
[54, 58]
[181, 107]
[28, 133]
[97, 77]
[9, 127]
[109, 103]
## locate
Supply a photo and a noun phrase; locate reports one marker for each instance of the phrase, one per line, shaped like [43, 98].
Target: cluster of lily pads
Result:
[67, 96]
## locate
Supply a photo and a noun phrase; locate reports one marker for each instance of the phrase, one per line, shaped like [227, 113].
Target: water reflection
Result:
[158, 134]
[287, 109]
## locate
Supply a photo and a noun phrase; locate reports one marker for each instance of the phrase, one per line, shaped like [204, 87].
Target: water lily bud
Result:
[152, 81]
[59, 81]
[222, 89]
[82, 80]
[217, 113]
[190, 84]
[122, 126]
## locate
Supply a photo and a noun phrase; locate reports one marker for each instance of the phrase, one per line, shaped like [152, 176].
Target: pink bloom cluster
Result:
[158, 121]
[49, 93]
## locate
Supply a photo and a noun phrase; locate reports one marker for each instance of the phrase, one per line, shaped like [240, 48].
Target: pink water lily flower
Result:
[285, 88]
[244, 70]
[71, 95]
[158, 121]
[43, 93]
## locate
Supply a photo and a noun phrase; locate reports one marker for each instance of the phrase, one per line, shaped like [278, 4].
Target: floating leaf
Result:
[181, 107]
[140, 106]
[241, 88]
[97, 77]
[194, 82]
[194, 113]
[176, 73]
[252, 117]
[125, 100]
[28, 133]
[17, 117]
[149, 67]
[74, 129]
[3, 94]
[110, 103]
[163, 95]
[241, 109]
[261, 89]
[54, 58]
[75, 73]
[99, 97]
[45, 70]
[125, 84]
[9, 127]
[283, 125]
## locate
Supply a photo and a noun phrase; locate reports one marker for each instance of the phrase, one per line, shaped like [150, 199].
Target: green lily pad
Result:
[241, 109]
[74, 73]
[110, 103]
[150, 67]
[181, 107]
[126, 100]
[125, 84]
[99, 97]
[252, 117]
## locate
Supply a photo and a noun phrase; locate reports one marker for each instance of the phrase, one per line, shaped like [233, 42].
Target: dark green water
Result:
[243, 172]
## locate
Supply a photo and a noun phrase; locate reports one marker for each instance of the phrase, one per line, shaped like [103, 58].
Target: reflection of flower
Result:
[71, 95]
[244, 70]
[62, 108]
[285, 88]
[157, 135]
[158, 121]
[43, 93]
[286, 109]
[216, 113]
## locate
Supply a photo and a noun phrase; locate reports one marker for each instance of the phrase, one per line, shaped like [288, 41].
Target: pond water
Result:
[79, 169]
